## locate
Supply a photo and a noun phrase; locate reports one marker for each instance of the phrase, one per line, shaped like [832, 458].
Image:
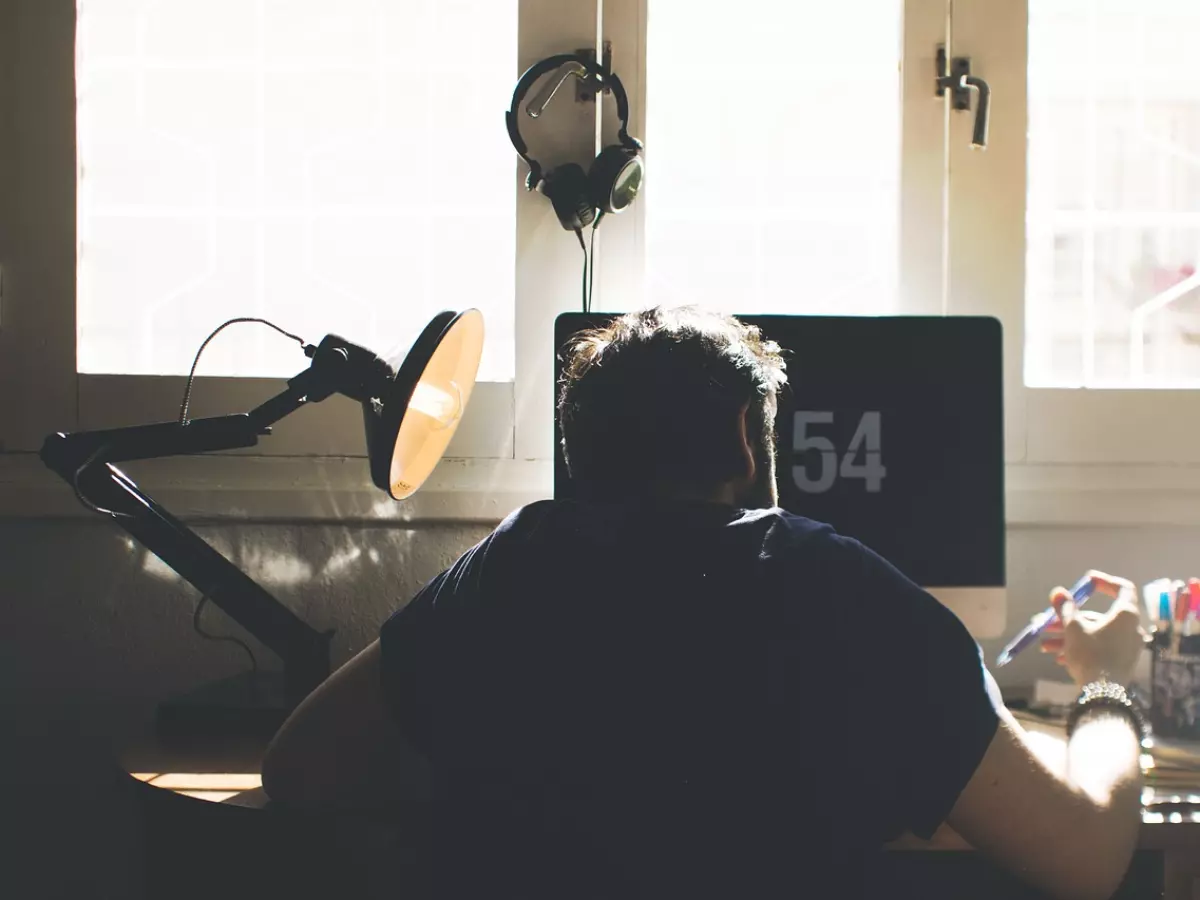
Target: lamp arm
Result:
[303, 649]
[66, 453]
[83, 459]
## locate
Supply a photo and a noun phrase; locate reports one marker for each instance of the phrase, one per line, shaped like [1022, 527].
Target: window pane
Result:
[334, 167]
[773, 158]
[1112, 291]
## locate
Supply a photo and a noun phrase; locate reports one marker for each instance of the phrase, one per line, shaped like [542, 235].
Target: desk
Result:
[1168, 849]
[1168, 859]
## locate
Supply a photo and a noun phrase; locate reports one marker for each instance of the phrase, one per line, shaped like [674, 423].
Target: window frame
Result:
[1065, 437]
[506, 437]
[38, 311]
[1074, 456]
[622, 266]
[503, 445]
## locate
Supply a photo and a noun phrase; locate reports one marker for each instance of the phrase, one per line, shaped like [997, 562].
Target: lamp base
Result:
[249, 707]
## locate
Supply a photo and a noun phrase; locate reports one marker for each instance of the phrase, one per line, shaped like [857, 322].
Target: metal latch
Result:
[585, 89]
[587, 82]
[957, 79]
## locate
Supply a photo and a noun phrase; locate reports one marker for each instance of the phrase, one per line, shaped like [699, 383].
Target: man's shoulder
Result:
[792, 524]
[525, 521]
[536, 515]
[814, 551]
[781, 523]
[787, 532]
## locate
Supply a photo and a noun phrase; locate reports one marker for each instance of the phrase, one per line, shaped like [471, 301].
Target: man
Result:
[671, 688]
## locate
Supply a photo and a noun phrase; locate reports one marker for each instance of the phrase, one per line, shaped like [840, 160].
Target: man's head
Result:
[675, 402]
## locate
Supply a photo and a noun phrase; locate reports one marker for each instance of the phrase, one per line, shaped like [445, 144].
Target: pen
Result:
[1082, 590]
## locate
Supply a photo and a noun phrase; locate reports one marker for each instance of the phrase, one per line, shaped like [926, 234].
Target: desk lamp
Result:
[410, 413]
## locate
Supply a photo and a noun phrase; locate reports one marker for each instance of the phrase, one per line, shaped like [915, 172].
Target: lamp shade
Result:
[410, 426]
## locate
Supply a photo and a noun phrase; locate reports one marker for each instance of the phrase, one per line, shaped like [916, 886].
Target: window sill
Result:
[484, 491]
[289, 489]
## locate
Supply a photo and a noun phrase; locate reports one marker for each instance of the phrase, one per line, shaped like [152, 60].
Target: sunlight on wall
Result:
[274, 568]
[341, 559]
[156, 568]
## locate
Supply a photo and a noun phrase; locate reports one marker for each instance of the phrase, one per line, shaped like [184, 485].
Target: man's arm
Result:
[961, 759]
[1071, 836]
[341, 750]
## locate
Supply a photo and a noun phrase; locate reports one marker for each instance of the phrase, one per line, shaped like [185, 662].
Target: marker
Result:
[1191, 624]
[1083, 589]
[1179, 606]
[1150, 592]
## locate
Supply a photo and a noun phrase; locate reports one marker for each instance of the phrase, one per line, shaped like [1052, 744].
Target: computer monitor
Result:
[892, 431]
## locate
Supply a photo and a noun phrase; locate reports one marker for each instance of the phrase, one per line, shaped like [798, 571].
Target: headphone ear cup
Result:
[615, 178]
[567, 190]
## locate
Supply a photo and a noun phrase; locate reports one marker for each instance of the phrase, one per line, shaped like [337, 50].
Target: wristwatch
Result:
[1105, 694]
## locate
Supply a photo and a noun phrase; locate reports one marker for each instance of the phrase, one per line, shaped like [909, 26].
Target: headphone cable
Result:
[583, 246]
[592, 255]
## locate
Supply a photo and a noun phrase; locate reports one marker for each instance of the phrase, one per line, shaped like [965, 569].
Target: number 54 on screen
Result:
[861, 458]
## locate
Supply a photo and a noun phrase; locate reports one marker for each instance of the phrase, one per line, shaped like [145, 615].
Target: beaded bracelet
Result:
[1104, 694]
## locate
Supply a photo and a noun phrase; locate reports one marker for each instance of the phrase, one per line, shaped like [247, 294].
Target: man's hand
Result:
[1092, 644]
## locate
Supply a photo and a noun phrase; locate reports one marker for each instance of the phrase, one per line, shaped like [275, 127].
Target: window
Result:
[795, 163]
[145, 241]
[1113, 239]
[774, 156]
[331, 167]
[1073, 228]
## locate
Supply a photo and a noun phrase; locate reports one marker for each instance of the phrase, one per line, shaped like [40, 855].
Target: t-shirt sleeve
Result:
[416, 639]
[940, 710]
[404, 642]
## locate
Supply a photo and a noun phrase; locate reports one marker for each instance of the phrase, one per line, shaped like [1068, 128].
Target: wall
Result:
[1040, 557]
[95, 623]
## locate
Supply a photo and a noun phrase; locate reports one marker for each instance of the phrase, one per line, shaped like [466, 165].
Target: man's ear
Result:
[749, 468]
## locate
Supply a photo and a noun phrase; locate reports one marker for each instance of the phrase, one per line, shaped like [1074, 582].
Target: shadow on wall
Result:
[96, 623]
[341, 577]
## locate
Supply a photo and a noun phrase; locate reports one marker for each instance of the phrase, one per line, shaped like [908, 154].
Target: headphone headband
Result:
[603, 80]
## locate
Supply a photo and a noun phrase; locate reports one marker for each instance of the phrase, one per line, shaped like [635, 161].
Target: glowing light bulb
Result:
[443, 407]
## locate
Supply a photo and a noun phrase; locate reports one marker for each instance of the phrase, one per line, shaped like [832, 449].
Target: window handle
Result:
[957, 79]
[538, 104]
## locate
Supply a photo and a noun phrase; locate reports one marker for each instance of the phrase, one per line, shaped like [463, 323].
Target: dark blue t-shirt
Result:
[675, 699]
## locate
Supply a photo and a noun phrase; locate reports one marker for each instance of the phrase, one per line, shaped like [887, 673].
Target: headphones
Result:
[615, 175]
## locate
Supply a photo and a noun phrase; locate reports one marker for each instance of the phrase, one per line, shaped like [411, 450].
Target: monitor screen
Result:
[891, 430]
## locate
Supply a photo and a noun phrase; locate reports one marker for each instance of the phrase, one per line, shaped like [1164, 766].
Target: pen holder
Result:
[1175, 687]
